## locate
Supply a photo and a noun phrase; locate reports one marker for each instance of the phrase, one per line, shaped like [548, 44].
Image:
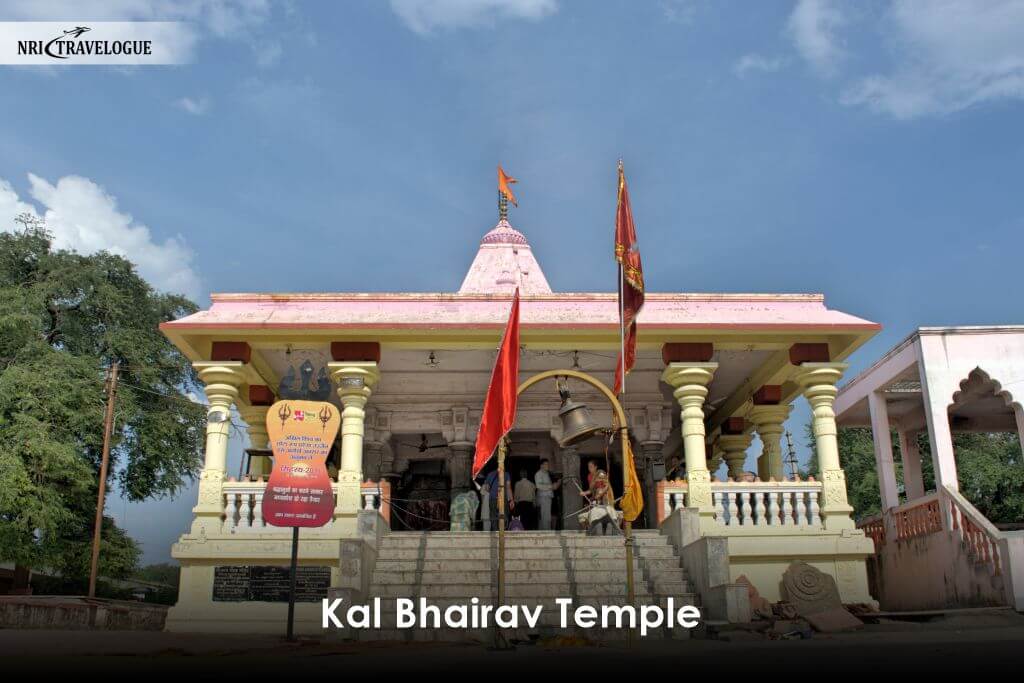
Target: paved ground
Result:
[971, 643]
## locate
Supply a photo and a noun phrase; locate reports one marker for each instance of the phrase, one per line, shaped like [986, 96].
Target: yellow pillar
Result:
[818, 382]
[256, 420]
[769, 421]
[734, 449]
[690, 381]
[355, 380]
[222, 379]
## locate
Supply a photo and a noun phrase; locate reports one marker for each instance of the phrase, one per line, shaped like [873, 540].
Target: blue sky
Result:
[870, 151]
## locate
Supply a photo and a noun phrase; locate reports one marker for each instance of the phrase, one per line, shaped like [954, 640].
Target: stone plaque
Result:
[269, 583]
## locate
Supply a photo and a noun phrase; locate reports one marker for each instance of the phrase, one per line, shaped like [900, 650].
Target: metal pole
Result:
[501, 521]
[291, 581]
[622, 333]
[627, 527]
[628, 532]
[108, 426]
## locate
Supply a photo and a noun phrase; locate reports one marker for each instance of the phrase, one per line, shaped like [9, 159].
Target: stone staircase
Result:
[451, 568]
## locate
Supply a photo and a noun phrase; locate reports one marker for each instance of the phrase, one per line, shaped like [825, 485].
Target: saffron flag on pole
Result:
[632, 494]
[631, 281]
[505, 183]
[500, 405]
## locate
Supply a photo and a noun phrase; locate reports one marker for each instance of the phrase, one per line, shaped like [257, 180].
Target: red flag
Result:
[631, 280]
[500, 404]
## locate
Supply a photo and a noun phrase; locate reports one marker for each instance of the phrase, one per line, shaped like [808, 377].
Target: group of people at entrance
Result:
[529, 503]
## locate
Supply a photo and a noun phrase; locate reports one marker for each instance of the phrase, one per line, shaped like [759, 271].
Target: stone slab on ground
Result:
[834, 621]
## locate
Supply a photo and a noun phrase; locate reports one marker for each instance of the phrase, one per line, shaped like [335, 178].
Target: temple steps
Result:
[449, 569]
[458, 565]
[610, 552]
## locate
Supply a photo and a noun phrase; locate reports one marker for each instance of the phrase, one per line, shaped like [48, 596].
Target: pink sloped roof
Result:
[598, 310]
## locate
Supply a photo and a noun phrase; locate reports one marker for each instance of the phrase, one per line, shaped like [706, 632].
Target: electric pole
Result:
[108, 427]
[791, 456]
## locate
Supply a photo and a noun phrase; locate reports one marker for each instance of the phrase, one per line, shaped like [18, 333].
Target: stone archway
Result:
[982, 404]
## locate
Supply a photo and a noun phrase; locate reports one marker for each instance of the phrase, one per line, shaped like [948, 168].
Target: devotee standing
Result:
[526, 499]
[491, 484]
[545, 493]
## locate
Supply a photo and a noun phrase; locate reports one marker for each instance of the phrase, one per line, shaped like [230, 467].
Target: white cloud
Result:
[424, 16]
[83, 218]
[754, 62]
[950, 55]
[226, 19]
[813, 26]
[193, 105]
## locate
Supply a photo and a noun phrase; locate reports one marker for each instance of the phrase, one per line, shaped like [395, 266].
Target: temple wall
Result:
[932, 572]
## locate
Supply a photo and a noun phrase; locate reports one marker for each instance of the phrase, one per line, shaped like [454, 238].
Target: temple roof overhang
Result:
[566, 320]
[490, 311]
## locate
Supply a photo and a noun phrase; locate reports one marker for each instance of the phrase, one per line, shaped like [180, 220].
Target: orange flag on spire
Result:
[505, 183]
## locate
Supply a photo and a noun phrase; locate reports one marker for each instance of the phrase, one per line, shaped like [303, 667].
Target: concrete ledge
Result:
[72, 612]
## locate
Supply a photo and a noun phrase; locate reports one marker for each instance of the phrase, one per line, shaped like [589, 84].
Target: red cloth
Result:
[631, 282]
[500, 404]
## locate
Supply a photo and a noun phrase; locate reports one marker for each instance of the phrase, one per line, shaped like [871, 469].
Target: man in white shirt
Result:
[545, 494]
[526, 499]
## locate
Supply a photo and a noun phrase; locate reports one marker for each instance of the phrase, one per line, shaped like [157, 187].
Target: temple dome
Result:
[503, 262]
[504, 233]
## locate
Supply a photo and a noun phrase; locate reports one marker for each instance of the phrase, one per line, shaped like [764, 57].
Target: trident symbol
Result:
[325, 417]
[284, 412]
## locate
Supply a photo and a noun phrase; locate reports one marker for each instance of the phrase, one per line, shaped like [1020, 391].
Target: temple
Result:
[409, 372]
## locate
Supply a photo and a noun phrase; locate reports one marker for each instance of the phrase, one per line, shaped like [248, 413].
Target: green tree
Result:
[64, 319]
[989, 468]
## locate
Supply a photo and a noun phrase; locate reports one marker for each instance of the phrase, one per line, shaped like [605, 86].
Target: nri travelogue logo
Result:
[108, 42]
[68, 45]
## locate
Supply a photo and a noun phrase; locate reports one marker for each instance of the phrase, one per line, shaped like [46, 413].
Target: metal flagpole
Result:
[627, 526]
[501, 520]
[499, 639]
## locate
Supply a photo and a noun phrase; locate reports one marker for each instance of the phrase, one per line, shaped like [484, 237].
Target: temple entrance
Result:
[423, 494]
[517, 466]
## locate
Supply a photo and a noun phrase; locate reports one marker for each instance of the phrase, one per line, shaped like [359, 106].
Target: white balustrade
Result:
[757, 504]
[243, 506]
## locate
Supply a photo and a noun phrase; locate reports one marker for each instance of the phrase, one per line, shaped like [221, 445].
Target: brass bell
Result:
[577, 422]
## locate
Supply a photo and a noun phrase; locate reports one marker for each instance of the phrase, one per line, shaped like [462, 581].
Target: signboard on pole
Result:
[299, 492]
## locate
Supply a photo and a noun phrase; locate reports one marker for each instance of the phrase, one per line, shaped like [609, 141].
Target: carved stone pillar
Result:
[460, 466]
[650, 452]
[734, 451]
[222, 380]
[355, 380]
[769, 421]
[690, 381]
[818, 382]
[714, 457]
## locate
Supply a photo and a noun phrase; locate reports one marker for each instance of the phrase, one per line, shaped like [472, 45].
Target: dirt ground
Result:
[969, 642]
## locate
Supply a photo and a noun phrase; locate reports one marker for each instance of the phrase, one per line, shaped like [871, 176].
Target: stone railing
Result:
[874, 528]
[243, 505]
[920, 517]
[980, 537]
[752, 504]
